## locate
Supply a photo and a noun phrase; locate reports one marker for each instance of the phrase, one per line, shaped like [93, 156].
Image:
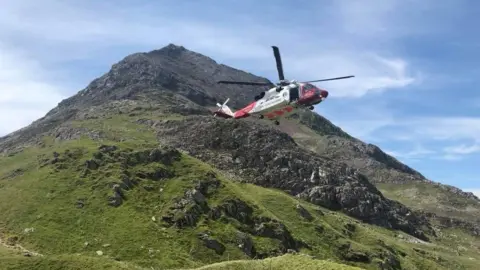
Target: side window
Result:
[294, 95]
[308, 87]
[305, 88]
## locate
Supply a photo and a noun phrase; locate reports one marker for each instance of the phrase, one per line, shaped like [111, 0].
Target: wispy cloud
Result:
[396, 49]
[67, 31]
[454, 137]
[463, 149]
[374, 73]
[110, 25]
[418, 152]
[25, 93]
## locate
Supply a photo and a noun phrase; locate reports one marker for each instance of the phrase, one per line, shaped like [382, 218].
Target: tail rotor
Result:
[223, 105]
[223, 108]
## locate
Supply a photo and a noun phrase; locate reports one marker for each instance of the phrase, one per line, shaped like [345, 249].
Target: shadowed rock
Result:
[272, 159]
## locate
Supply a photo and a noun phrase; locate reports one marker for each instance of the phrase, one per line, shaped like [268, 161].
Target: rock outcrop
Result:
[272, 159]
[176, 80]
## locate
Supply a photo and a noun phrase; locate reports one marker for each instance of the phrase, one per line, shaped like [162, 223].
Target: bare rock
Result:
[117, 198]
[245, 243]
[91, 164]
[212, 243]
[107, 148]
[319, 228]
[389, 261]
[304, 212]
[187, 210]
[12, 240]
[80, 203]
[270, 158]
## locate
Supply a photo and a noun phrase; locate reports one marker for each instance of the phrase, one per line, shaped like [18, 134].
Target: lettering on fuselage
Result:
[270, 102]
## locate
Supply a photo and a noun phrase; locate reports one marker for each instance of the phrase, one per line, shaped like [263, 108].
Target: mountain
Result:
[134, 172]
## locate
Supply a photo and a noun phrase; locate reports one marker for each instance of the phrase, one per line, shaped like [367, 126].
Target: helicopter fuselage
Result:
[280, 102]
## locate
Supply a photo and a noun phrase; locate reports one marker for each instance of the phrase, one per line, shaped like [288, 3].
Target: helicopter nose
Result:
[324, 93]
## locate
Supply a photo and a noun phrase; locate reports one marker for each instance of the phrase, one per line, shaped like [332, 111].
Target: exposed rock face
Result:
[172, 78]
[368, 158]
[272, 159]
[212, 243]
[304, 212]
[176, 80]
[189, 209]
[449, 222]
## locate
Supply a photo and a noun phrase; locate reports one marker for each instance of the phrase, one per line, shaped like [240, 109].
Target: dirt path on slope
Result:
[16, 247]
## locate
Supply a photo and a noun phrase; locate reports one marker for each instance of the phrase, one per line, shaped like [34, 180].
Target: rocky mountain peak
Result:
[176, 79]
[179, 52]
[171, 50]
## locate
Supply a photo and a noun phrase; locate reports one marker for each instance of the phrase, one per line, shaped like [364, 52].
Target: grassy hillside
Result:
[122, 200]
[397, 182]
[285, 262]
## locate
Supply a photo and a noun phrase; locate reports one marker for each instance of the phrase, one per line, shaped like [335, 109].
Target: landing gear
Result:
[277, 123]
[311, 108]
[261, 116]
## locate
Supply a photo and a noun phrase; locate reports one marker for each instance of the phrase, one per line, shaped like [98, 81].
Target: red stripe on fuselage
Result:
[288, 109]
[244, 112]
[279, 112]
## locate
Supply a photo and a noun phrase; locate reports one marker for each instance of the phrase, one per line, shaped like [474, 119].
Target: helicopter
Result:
[283, 99]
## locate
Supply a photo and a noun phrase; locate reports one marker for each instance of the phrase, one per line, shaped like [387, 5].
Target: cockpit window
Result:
[307, 87]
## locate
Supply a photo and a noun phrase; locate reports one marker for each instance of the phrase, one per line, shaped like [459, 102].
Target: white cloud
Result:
[86, 30]
[453, 137]
[65, 31]
[417, 152]
[463, 149]
[25, 94]
[446, 128]
[394, 18]
[373, 73]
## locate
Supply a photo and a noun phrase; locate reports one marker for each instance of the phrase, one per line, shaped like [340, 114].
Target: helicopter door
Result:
[294, 95]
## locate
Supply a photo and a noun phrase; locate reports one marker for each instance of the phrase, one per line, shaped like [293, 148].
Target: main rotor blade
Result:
[278, 59]
[244, 83]
[331, 79]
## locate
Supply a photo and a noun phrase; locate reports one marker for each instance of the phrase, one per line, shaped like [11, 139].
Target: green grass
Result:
[432, 198]
[43, 196]
[285, 262]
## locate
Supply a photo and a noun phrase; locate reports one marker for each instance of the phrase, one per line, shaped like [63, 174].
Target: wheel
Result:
[277, 123]
[261, 116]
[311, 108]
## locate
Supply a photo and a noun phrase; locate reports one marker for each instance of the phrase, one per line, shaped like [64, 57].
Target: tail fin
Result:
[224, 110]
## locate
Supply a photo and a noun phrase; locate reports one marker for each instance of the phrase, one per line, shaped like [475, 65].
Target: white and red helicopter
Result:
[279, 101]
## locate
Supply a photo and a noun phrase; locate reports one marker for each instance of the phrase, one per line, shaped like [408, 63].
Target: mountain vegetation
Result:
[133, 172]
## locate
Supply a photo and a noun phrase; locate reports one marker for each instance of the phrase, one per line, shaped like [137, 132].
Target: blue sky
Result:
[416, 88]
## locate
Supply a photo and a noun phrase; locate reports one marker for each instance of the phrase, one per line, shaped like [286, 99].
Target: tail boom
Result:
[225, 111]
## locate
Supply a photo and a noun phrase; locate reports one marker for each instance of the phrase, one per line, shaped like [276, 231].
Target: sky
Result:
[415, 92]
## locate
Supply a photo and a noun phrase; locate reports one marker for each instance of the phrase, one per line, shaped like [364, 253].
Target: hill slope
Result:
[445, 205]
[91, 177]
